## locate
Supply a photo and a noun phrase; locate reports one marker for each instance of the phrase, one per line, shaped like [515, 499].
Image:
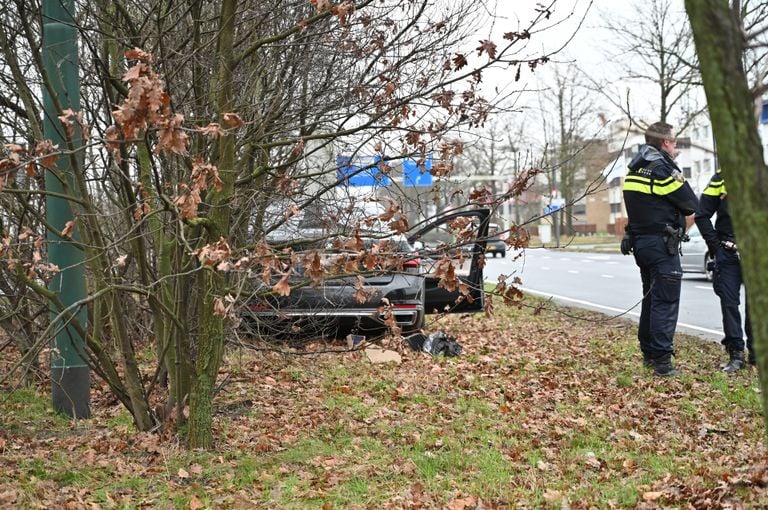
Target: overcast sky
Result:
[579, 25]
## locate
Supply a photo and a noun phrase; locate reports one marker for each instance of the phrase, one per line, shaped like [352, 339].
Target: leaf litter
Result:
[540, 410]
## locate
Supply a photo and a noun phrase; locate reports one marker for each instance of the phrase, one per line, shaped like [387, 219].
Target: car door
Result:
[695, 253]
[460, 238]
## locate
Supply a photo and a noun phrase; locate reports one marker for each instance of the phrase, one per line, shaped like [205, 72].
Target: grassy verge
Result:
[600, 243]
[539, 410]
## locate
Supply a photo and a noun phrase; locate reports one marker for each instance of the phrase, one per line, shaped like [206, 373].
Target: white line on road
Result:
[705, 287]
[573, 271]
[612, 309]
[606, 275]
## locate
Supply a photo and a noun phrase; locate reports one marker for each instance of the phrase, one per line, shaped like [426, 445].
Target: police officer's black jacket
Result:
[655, 193]
[712, 201]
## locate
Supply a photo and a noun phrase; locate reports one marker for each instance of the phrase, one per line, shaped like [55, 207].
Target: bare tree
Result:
[497, 157]
[566, 107]
[200, 116]
[654, 48]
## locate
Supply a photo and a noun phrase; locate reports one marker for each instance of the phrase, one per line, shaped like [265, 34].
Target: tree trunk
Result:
[211, 339]
[719, 42]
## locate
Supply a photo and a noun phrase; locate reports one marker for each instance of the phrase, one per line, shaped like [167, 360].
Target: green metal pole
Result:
[69, 371]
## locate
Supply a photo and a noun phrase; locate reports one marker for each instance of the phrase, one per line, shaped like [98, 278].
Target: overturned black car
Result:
[373, 280]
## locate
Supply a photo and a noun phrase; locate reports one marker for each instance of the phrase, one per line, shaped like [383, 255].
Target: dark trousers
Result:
[662, 279]
[726, 282]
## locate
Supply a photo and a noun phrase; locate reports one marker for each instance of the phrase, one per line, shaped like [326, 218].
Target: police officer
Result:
[657, 199]
[727, 271]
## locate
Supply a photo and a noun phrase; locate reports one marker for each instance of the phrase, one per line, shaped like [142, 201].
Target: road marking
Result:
[612, 309]
[573, 271]
[545, 268]
[606, 275]
[702, 287]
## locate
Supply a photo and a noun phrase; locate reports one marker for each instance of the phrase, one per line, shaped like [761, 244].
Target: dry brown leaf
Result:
[232, 120]
[488, 47]
[213, 130]
[552, 496]
[219, 308]
[69, 227]
[282, 288]
[463, 503]
[195, 503]
[138, 54]
[652, 495]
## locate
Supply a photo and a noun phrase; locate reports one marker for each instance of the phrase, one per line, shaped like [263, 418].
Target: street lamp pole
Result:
[69, 370]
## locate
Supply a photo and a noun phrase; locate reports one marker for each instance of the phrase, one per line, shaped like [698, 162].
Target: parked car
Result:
[495, 243]
[695, 254]
[403, 289]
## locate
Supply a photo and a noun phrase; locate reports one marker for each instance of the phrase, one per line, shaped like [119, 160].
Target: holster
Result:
[673, 237]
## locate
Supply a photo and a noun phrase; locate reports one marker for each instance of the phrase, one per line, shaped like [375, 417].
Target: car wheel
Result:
[707, 273]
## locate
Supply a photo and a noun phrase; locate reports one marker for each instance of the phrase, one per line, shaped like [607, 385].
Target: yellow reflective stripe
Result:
[643, 185]
[634, 182]
[715, 189]
[667, 187]
[637, 186]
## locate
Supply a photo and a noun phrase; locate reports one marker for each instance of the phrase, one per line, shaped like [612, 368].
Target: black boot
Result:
[663, 367]
[736, 361]
[752, 360]
[647, 361]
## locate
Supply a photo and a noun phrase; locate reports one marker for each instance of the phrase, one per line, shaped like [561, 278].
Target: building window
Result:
[628, 153]
[579, 209]
[615, 208]
[683, 142]
[687, 172]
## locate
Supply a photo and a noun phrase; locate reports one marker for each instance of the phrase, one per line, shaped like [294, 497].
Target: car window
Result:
[438, 239]
[453, 239]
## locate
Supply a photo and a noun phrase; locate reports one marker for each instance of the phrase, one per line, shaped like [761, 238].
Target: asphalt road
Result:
[608, 283]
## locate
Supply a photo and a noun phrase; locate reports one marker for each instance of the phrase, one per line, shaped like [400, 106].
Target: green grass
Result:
[741, 395]
[520, 421]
